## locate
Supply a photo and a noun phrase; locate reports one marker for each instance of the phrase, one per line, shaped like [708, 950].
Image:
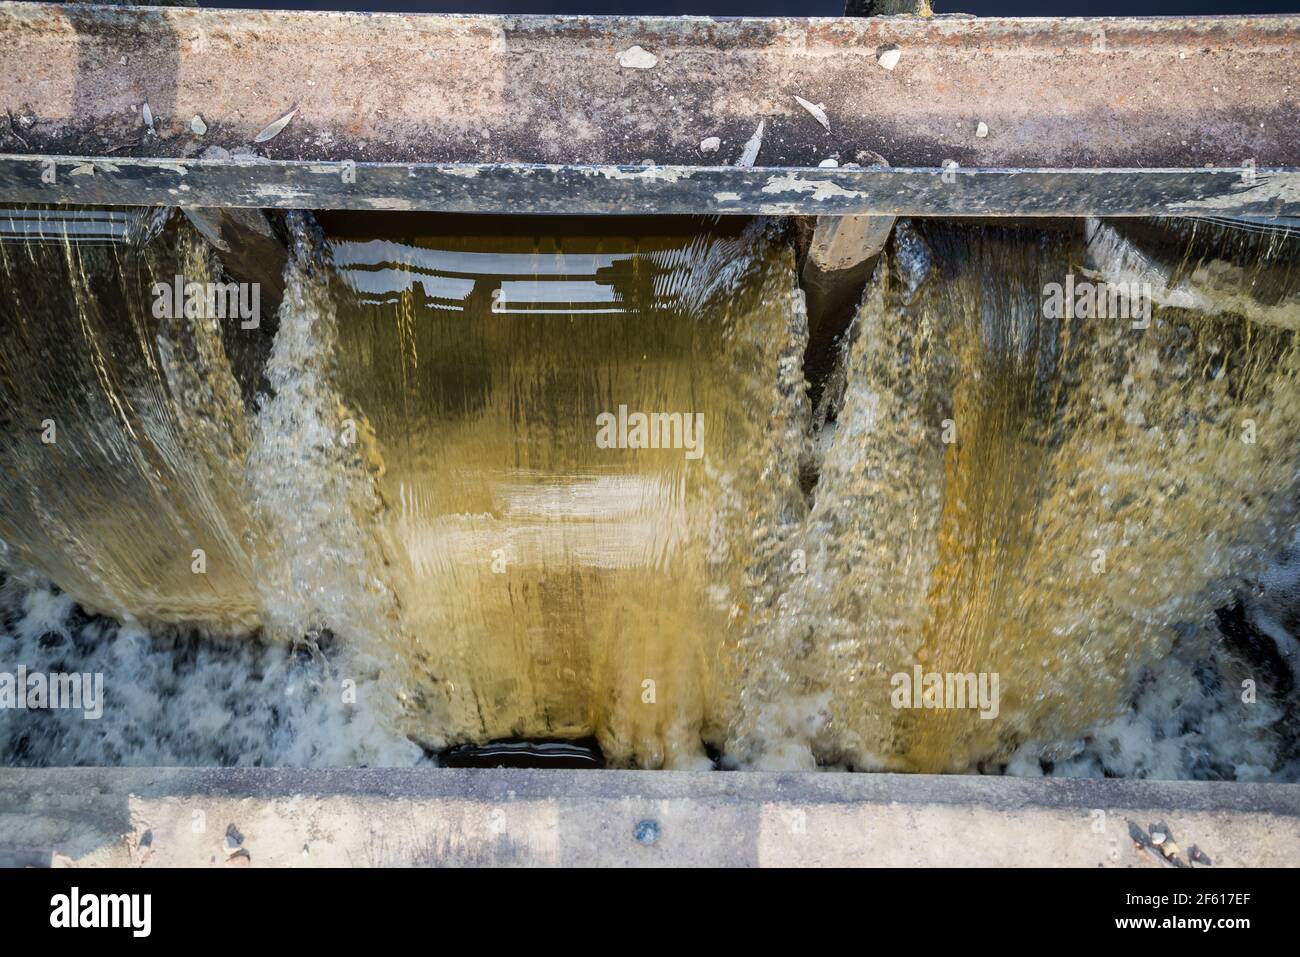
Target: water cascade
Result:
[544, 482]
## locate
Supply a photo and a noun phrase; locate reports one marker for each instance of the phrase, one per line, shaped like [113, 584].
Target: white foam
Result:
[175, 699]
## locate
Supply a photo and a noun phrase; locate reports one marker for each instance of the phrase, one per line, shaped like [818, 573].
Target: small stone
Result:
[198, 126]
[889, 56]
[646, 832]
[234, 841]
[635, 58]
[710, 144]
[982, 130]
[828, 164]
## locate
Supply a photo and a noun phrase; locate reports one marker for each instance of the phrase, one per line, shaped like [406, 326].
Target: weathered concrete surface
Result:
[841, 243]
[1053, 93]
[1116, 116]
[169, 817]
[693, 190]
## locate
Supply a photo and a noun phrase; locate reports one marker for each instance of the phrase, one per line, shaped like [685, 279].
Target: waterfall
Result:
[488, 480]
[1014, 493]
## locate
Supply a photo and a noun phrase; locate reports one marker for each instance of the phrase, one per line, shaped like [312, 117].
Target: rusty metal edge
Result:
[526, 188]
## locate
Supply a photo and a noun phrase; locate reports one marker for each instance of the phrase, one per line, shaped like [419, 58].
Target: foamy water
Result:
[193, 701]
[186, 699]
[413, 537]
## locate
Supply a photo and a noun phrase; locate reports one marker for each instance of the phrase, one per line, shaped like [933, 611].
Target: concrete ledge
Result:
[1043, 117]
[399, 817]
[1053, 92]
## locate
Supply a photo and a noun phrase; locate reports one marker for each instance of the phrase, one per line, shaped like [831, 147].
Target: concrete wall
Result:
[259, 817]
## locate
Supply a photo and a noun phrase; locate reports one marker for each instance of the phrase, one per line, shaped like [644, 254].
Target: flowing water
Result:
[1005, 493]
[123, 436]
[552, 585]
[543, 481]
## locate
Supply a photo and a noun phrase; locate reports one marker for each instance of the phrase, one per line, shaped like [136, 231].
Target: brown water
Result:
[550, 586]
[123, 437]
[1007, 494]
[1001, 493]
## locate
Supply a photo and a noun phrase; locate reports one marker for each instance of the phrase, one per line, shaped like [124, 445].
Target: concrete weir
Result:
[165, 817]
[849, 122]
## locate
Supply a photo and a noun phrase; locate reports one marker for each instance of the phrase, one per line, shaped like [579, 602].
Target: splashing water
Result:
[443, 493]
[1008, 494]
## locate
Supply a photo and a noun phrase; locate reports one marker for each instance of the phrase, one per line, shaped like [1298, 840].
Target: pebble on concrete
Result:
[635, 58]
[646, 832]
